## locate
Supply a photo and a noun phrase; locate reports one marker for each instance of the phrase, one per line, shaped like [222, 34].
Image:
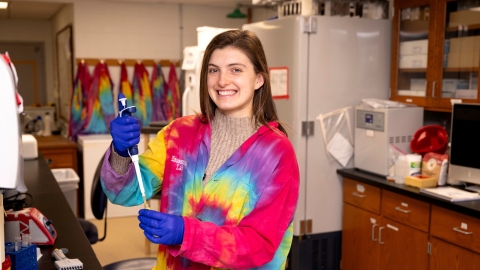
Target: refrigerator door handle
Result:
[308, 128]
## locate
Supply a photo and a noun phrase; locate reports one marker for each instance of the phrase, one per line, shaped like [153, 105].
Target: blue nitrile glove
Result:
[125, 133]
[161, 228]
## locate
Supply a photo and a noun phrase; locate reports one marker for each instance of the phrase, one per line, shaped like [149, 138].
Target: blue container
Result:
[24, 259]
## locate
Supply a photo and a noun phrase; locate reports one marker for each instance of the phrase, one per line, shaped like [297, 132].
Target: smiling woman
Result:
[231, 201]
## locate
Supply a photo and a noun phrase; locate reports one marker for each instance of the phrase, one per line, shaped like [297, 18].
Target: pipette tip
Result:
[145, 204]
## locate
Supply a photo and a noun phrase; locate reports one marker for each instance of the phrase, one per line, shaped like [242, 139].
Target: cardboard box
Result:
[473, 81]
[421, 181]
[414, 47]
[413, 61]
[464, 17]
[465, 44]
[416, 14]
[448, 94]
[411, 93]
[449, 85]
[418, 84]
[463, 59]
[467, 94]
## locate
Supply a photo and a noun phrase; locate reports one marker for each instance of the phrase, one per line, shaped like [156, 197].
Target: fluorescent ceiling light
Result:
[3, 5]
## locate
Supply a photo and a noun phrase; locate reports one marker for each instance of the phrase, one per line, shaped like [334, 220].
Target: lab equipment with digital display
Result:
[376, 129]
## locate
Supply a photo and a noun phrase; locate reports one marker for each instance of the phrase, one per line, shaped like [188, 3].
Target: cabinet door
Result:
[458, 48]
[413, 46]
[402, 247]
[447, 256]
[360, 249]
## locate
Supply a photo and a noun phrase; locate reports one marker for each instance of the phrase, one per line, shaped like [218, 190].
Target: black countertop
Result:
[471, 208]
[50, 201]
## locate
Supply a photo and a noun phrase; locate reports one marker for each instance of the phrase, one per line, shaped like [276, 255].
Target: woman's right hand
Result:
[125, 133]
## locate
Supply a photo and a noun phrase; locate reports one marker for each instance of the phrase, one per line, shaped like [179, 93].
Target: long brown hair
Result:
[246, 41]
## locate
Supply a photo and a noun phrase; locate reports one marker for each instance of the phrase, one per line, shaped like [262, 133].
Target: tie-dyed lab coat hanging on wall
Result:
[100, 101]
[78, 103]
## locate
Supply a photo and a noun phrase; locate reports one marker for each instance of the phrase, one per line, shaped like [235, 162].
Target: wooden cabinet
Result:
[455, 241]
[59, 152]
[383, 230]
[361, 219]
[448, 256]
[435, 53]
[360, 249]
[403, 235]
[402, 247]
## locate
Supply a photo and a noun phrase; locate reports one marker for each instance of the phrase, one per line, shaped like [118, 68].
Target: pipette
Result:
[124, 111]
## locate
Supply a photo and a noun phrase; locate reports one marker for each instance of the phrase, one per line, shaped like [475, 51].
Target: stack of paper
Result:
[451, 194]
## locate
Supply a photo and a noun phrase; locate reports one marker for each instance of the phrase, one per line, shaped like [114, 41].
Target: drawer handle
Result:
[358, 195]
[460, 231]
[49, 161]
[402, 210]
[380, 235]
[373, 232]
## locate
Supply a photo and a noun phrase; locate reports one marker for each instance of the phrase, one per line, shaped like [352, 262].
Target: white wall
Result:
[126, 30]
[142, 31]
[60, 20]
[30, 31]
[196, 16]
[122, 30]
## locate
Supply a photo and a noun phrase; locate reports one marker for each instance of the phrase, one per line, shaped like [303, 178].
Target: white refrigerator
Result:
[332, 63]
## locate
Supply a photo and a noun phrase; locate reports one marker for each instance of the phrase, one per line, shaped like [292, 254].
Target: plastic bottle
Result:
[38, 130]
[414, 164]
[47, 125]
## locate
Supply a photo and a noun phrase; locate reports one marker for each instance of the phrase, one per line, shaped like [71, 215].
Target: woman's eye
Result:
[212, 70]
[236, 70]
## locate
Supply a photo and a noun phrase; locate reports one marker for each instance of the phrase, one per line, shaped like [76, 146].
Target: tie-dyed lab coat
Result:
[241, 219]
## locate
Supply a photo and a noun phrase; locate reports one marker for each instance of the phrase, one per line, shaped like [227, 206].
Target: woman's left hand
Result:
[161, 228]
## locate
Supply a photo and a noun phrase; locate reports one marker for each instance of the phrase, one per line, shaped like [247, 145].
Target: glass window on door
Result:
[413, 51]
[461, 61]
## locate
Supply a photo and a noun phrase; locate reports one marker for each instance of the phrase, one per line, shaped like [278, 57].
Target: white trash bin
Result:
[68, 180]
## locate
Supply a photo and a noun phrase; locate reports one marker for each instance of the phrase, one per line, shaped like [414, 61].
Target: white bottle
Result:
[47, 125]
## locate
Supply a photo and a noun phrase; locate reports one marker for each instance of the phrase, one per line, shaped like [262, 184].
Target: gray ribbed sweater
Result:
[227, 135]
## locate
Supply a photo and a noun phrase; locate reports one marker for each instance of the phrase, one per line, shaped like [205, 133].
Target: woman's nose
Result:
[223, 79]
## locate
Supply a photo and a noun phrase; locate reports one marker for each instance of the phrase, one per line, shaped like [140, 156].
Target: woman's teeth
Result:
[226, 93]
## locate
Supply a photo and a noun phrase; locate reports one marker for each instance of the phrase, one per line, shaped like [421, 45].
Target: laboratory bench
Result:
[390, 226]
[50, 201]
[471, 208]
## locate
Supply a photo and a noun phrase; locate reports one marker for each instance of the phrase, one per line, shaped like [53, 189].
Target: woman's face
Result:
[232, 81]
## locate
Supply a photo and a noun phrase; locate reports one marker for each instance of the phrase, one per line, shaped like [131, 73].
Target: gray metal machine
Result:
[378, 128]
